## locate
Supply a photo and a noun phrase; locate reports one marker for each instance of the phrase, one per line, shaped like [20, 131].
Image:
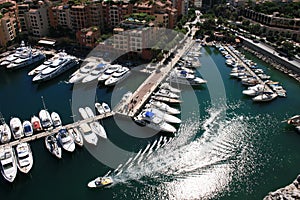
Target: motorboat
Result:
[163, 107]
[16, 128]
[75, 133]
[66, 140]
[56, 119]
[36, 123]
[263, 76]
[41, 67]
[27, 128]
[254, 90]
[98, 129]
[83, 113]
[61, 64]
[8, 163]
[167, 86]
[109, 72]
[166, 99]
[250, 81]
[117, 76]
[258, 71]
[46, 120]
[5, 132]
[165, 116]
[100, 182]
[52, 146]
[25, 59]
[87, 133]
[265, 96]
[89, 112]
[180, 68]
[151, 120]
[105, 107]
[295, 120]
[24, 157]
[14, 55]
[97, 72]
[166, 93]
[99, 108]
[83, 71]
[184, 78]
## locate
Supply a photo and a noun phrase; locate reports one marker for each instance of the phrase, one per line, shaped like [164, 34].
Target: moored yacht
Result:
[105, 107]
[265, 96]
[166, 93]
[41, 67]
[108, 72]
[52, 146]
[94, 74]
[27, 128]
[117, 76]
[167, 86]
[56, 119]
[75, 133]
[5, 132]
[16, 128]
[24, 157]
[66, 140]
[254, 90]
[46, 120]
[36, 123]
[83, 113]
[82, 72]
[8, 163]
[87, 133]
[165, 116]
[99, 108]
[163, 107]
[26, 59]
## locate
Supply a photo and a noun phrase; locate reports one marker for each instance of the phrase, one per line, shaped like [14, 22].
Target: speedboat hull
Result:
[100, 182]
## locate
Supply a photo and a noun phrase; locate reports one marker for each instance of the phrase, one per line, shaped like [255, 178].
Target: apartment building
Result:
[22, 9]
[79, 17]
[8, 28]
[88, 36]
[60, 16]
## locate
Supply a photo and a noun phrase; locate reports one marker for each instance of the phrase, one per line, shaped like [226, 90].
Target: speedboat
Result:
[27, 128]
[163, 107]
[83, 113]
[108, 72]
[98, 71]
[166, 99]
[66, 140]
[265, 96]
[87, 133]
[8, 163]
[295, 120]
[106, 107]
[61, 64]
[99, 108]
[165, 116]
[250, 81]
[46, 120]
[78, 139]
[25, 59]
[36, 123]
[185, 78]
[24, 157]
[151, 120]
[100, 182]
[98, 129]
[117, 76]
[82, 72]
[166, 93]
[56, 119]
[167, 86]
[254, 90]
[16, 128]
[52, 146]
[5, 132]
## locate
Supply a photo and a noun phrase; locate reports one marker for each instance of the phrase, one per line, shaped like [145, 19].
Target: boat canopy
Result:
[149, 114]
[101, 65]
[27, 128]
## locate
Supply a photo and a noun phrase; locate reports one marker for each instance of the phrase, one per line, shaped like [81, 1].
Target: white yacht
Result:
[265, 96]
[15, 55]
[27, 128]
[46, 120]
[61, 64]
[87, 133]
[52, 146]
[16, 128]
[99, 108]
[163, 107]
[75, 133]
[105, 107]
[254, 90]
[36, 123]
[24, 157]
[8, 163]
[165, 116]
[117, 76]
[83, 113]
[94, 74]
[98, 129]
[167, 86]
[56, 119]
[108, 72]
[149, 119]
[83, 71]
[66, 140]
[26, 59]
[89, 112]
[41, 67]
[184, 78]
[166, 93]
[5, 132]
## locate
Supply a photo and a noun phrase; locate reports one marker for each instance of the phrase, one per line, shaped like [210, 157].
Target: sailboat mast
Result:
[44, 105]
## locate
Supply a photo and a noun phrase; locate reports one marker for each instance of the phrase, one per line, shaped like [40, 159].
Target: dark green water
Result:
[243, 153]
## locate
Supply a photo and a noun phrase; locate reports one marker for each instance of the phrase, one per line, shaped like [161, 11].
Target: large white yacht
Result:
[8, 163]
[24, 157]
[149, 119]
[61, 64]
[254, 90]
[5, 132]
[94, 74]
[66, 140]
[26, 58]
[117, 76]
[265, 96]
[108, 72]
[95, 125]
[15, 55]
[46, 120]
[16, 128]
[43, 66]
[185, 78]
[165, 116]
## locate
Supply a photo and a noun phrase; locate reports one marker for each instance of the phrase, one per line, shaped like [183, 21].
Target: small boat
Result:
[295, 120]
[105, 107]
[99, 108]
[98, 129]
[163, 107]
[66, 140]
[27, 128]
[100, 182]
[46, 120]
[8, 163]
[165, 116]
[83, 113]
[78, 139]
[254, 90]
[167, 86]
[36, 123]
[16, 128]
[52, 146]
[87, 133]
[24, 157]
[265, 96]
[166, 93]
[56, 119]
[5, 132]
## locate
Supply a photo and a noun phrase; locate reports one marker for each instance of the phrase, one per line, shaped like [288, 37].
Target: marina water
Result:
[231, 148]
